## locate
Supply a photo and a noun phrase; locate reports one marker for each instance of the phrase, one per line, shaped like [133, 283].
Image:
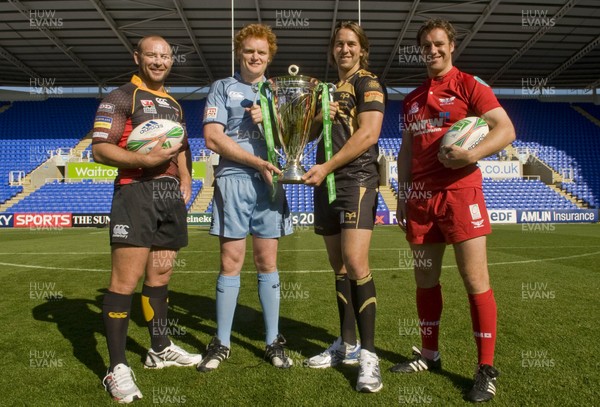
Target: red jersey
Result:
[122, 110]
[429, 111]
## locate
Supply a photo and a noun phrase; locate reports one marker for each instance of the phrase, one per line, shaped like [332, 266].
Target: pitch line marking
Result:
[575, 256]
[293, 250]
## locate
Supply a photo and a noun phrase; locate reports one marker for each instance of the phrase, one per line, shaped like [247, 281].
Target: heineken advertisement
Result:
[99, 171]
[199, 219]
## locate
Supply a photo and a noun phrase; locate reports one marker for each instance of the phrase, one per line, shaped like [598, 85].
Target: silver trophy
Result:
[292, 103]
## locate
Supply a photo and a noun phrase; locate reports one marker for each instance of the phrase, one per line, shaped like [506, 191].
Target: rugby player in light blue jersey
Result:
[243, 202]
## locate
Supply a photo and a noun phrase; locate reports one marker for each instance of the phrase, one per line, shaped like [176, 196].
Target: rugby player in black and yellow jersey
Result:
[347, 223]
[148, 215]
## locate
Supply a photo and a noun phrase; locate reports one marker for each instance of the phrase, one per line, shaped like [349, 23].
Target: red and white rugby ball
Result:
[466, 133]
[145, 136]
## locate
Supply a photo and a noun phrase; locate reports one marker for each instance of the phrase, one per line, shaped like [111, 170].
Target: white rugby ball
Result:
[466, 133]
[145, 136]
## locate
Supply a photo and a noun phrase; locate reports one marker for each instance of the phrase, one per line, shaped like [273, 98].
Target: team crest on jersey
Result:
[414, 108]
[373, 84]
[211, 112]
[148, 106]
[447, 101]
[235, 95]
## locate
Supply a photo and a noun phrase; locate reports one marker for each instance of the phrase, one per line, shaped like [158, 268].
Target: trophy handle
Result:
[256, 91]
[332, 88]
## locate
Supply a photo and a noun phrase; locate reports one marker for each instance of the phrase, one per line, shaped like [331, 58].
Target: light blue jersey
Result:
[226, 104]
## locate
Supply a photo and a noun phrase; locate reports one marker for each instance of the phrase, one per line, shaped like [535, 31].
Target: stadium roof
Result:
[505, 42]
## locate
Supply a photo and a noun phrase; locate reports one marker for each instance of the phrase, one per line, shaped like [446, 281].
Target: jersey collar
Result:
[441, 79]
[137, 81]
[238, 77]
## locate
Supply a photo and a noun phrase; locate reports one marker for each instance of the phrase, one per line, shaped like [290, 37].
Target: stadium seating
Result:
[518, 193]
[558, 135]
[560, 126]
[77, 197]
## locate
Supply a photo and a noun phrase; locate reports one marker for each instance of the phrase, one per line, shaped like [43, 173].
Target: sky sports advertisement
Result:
[99, 220]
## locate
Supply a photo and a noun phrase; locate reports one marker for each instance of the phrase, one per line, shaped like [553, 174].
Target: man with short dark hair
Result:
[445, 202]
[148, 216]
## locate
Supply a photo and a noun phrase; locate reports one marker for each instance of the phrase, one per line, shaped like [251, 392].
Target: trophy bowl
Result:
[294, 101]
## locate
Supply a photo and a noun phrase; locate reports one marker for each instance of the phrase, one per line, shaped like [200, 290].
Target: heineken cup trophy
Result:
[288, 106]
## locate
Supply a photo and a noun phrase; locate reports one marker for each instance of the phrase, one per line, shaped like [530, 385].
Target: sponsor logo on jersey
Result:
[414, 108]
[103, 122]
[100, 134]
[121, 231]
[106, 107]
[211, 112]
[373, 96]
[428, 125]
[148, 106]
[163, 102]
[235, 95]
[447, 101]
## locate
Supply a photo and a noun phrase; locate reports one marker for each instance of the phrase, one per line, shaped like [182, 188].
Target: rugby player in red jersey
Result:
[440, 199]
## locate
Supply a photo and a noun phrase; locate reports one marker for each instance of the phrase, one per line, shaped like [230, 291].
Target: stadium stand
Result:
[575, 140]
[76, 197]
[553, 132]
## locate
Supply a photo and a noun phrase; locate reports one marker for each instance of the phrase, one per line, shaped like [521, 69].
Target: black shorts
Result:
[353, 208]
[149, 214]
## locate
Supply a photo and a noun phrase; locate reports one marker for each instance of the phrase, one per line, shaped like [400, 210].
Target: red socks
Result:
[429, 309]
[483, 317]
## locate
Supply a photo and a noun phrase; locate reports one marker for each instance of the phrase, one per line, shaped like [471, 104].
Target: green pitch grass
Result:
[546, 281]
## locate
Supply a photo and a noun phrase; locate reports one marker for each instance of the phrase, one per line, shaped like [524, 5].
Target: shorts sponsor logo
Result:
[121, 231]
[148, 106]
[103, 122]
[162, 102]
[235, 95]
[100, 134]
[106, 107]
[211, 112]
[475, 212]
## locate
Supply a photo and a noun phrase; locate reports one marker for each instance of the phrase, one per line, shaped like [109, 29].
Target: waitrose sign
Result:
[90, 171]
[104, 172]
